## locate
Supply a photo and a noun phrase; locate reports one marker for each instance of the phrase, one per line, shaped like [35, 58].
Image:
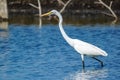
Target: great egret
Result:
[84, 48]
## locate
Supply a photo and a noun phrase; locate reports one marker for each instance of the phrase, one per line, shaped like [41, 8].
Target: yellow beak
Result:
[46, 14]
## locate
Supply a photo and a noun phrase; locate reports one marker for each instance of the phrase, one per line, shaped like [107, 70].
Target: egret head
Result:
[53, 12]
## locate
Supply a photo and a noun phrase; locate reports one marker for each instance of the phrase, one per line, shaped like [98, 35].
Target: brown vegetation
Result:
[58, 4]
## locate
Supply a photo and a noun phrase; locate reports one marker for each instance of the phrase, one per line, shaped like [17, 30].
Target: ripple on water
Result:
[31, 53]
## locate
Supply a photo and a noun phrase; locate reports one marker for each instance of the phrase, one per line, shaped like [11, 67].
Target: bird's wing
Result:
[88, 49]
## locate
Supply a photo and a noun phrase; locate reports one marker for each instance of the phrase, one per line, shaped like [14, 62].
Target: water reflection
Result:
[23, 19]
[3, 29]
[88, 75]
[40, 22]
[68, 19]
[114, 21]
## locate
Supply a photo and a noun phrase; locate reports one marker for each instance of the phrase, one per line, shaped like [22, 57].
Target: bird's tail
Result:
[105, 54]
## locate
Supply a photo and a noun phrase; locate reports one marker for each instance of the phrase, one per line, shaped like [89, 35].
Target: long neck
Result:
[66, 37]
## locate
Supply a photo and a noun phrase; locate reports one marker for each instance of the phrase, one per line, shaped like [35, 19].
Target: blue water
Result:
[31, 53]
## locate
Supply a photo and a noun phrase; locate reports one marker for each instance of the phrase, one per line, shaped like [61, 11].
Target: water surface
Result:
[28, 52]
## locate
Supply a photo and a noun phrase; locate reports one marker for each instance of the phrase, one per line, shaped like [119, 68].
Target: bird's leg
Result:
[98, 61]
[83, 64]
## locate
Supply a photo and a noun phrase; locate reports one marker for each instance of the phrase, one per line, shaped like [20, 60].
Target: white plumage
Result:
[87, 49]
[84, 48]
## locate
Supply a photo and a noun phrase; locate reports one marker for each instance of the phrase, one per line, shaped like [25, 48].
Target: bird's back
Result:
[87, 48]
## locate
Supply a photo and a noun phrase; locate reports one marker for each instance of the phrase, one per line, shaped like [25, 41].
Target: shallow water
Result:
[28, 52]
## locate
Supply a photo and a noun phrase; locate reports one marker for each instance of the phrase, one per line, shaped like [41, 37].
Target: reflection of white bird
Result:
[84, 48]
[88, 75]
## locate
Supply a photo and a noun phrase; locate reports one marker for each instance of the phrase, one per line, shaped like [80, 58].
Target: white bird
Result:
[84, 48]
